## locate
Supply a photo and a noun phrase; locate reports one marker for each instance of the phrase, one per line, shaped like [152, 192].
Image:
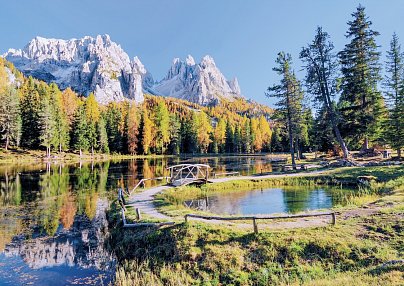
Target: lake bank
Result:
[360, 250]
[22, 156]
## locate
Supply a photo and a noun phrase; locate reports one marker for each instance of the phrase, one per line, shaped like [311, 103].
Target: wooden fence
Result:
[142, 183]
[215, 175]
[256, 218]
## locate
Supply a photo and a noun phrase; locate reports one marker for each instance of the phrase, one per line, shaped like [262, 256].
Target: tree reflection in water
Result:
[54, 215]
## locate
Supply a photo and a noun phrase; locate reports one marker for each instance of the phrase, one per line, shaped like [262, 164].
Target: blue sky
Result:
[243, 37]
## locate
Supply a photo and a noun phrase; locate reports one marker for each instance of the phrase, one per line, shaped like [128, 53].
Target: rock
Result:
[101, 66]
[201, 83]
[86, 65]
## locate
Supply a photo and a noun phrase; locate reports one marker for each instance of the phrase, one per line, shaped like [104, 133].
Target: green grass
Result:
[202, 254]
[357, 251]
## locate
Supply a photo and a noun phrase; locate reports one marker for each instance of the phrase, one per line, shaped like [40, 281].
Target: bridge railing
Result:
[187, 173]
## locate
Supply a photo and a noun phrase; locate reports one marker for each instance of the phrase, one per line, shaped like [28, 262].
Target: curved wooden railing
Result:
[142, 182]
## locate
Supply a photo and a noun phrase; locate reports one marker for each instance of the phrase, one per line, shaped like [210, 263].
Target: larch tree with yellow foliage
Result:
[219, 136]
[203, 130]
[132, 128]
[147, 132]
[93, 116]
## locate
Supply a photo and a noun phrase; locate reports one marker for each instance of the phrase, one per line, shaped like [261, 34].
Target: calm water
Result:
[53, 228]
[269, 201]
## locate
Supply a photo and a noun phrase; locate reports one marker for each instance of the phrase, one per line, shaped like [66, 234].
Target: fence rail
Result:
[122, 203]
[215, 175]
[255, 218]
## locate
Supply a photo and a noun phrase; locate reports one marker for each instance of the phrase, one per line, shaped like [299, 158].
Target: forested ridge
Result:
[37, 115]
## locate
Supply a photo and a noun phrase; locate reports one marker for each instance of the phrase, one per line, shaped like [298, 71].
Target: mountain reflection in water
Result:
[53, 227]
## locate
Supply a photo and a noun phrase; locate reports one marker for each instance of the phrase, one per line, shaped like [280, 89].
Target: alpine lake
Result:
[53, 224]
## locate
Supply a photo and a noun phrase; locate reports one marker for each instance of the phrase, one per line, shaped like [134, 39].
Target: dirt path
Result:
[145, 202]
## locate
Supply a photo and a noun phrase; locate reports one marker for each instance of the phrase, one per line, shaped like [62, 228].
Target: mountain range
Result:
[101, 66]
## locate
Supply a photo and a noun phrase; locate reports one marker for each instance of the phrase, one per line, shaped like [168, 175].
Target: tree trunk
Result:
[292, 149]
[330, 107]
[7, 142]
[298, 151]
[81, 153]
[399, 153]
[366, 144]
[92, 151]
[337, 133]
[60, 148]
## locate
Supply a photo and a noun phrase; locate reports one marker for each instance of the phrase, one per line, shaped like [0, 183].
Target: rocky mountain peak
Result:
[190, 61]
[201, 83]
[87, 65]
[101, 66]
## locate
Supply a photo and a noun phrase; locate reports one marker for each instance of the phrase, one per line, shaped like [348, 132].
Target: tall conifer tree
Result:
[361, 103]
[394, 84]
[289, 105]
[321, 74]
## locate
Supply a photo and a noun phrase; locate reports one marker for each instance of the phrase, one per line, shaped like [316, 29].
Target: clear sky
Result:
[243, 36]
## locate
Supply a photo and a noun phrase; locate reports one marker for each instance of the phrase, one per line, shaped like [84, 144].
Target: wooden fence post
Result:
[333, 219]
[138, 214]
[255, 225]
[186, 218]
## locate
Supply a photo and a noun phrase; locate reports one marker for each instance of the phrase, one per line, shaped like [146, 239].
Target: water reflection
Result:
[269, 201]
[52, 217]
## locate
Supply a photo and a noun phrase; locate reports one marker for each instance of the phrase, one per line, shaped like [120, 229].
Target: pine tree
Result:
[188, 137]
[394, 84]
[229, 145]
[290, 96]
[102, 136]
[132, 129]
[47, 125]
[323, 131]
[10, 120]
[361, 103]
[162, 121]
[113, 117]
[175, 135]
[80, 139]
[30, 107]
[61, 125]
[321, 73]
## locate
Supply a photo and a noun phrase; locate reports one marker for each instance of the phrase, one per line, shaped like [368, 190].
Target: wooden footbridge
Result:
[185, 174]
